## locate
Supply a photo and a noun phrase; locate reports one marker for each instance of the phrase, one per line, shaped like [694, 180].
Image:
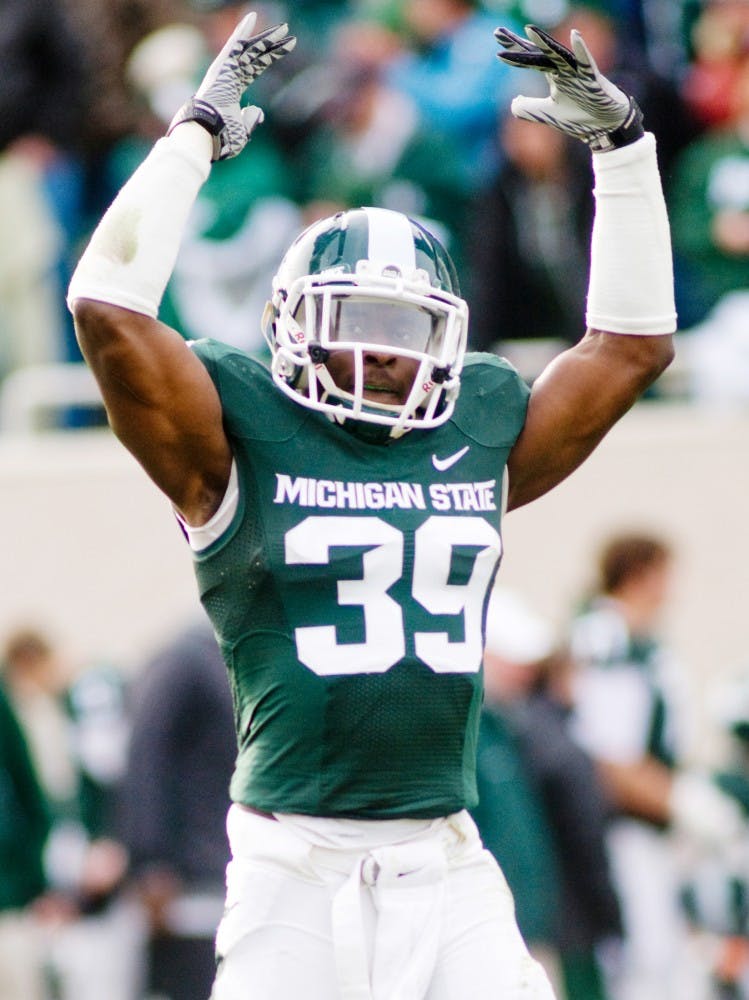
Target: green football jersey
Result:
[349, 595]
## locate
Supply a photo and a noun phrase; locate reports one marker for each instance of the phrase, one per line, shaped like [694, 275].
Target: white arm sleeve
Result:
[132, 252]
[631, 288]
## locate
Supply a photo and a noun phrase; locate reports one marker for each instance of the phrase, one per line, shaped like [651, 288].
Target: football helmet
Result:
[368, 280]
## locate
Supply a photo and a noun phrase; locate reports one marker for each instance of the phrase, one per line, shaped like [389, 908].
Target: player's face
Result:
[388, 378]
[379, 326]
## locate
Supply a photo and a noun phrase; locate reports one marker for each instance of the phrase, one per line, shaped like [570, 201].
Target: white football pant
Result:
[364, 910]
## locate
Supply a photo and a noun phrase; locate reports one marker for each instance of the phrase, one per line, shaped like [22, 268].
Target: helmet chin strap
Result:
[354, 405]
[358, 383]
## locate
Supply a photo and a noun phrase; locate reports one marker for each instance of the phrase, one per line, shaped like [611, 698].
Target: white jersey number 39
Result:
[385, 644]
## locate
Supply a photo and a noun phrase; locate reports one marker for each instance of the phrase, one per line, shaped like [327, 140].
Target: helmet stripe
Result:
[391, 239]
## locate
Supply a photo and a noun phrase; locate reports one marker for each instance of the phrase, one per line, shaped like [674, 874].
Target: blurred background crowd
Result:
[629, 863]
[400, 103]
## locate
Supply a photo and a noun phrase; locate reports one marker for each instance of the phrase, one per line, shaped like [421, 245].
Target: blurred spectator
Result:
[710, 212]
[527, 680]
[720, 44]
[511, 815]
[63, 102]
[99, 953]
[369, 147]
[42, 107]
[715, 354]
[590, 923]
[43, 81]
[630, 713]
[176, 797]
[30, 247]
[717, 889]
[661, 27]
[36, 677]
[529, 241]
[89, 948]
[24, 825]
[454, 77]
[108, 31]
[97, 708]
[314, 22]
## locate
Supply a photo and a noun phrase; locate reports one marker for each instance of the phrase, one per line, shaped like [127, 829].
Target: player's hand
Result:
[216, 104]
[581, 102]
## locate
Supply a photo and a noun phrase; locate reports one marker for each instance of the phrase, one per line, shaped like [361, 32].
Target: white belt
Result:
[407, 884]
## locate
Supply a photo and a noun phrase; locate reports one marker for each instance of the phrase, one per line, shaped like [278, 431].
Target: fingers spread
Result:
[246, 26]
[528, 60]
[520, 52]
[510, 40]
[560, 55]
[532, 109]
[277, 37]
[258, 52]
[582, 52]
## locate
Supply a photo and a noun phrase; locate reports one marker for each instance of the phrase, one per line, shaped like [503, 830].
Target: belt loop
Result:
[370, 870]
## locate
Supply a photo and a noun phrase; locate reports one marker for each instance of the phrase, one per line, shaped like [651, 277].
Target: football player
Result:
[343, 508]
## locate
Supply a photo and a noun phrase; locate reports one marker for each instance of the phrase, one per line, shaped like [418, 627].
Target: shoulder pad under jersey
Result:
[253, 406]
[493, 400]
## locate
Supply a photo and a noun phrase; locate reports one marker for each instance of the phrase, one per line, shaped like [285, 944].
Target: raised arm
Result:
[160, 399]
[630, 311]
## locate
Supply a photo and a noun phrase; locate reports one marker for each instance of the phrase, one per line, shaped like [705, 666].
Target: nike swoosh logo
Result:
[442, 464]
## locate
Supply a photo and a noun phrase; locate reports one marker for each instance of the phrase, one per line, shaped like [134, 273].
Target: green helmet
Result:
[368, 280]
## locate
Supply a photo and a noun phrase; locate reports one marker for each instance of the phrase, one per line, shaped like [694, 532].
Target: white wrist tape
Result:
[631, 287]
[130, 257]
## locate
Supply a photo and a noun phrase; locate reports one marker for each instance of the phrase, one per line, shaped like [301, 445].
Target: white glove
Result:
[704, 813]
[582, 102]
[215, 104]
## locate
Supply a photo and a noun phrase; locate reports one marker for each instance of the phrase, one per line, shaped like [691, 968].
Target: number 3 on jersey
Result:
[385, 644]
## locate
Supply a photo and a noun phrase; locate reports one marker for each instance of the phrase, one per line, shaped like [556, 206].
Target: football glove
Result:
[582, 102]
[215, 104]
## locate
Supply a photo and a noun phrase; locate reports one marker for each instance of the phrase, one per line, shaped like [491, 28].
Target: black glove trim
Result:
[628, 132]
[204, 114]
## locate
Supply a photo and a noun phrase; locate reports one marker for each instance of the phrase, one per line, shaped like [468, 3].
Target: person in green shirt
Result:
[24, 826]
